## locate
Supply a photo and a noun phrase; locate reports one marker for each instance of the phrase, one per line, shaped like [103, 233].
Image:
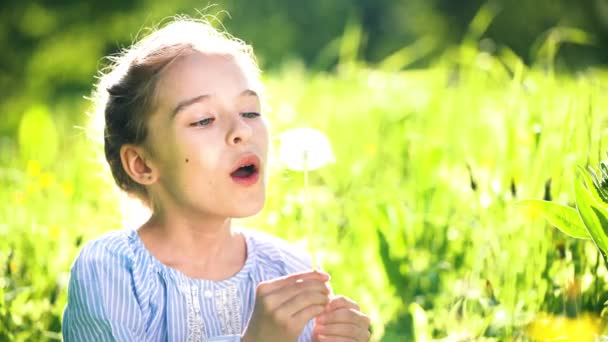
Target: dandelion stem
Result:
[307, 218]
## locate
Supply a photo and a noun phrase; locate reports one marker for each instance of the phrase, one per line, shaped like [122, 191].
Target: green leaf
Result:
[421, 322]
[561, 216]
[593, 214]
[593, 183]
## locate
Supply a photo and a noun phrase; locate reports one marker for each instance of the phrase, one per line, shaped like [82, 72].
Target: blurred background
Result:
[442, 115]
[52, 49]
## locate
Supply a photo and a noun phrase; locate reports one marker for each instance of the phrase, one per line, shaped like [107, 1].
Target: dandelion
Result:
[305, 149]
[485, 200]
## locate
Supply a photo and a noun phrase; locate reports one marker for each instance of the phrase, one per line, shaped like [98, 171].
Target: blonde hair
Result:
[126, 92]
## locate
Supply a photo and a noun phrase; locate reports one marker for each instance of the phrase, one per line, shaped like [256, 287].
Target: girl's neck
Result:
[199, 248]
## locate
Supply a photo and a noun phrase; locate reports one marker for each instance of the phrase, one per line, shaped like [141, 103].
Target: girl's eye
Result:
[203, 122]
[250, 115]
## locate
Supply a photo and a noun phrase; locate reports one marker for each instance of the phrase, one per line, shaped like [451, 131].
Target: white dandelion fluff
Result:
[305, 149]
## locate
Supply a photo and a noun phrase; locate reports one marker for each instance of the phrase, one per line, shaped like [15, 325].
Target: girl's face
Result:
[206, 125]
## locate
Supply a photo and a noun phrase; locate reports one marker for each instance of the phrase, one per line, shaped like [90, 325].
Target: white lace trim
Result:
[229, 309]
[195, 319]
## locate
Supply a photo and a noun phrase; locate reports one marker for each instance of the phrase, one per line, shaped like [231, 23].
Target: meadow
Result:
[417, 218]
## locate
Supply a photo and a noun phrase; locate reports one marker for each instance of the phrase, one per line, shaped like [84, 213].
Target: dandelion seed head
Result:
[305, 149]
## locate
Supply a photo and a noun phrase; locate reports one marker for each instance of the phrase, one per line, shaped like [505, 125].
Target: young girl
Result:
[184, 132]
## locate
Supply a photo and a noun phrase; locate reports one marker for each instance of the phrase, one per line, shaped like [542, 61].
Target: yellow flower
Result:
[370, 149]
[31, 188]
[12, 266]
[33, 168]
[559, 328]
[54, 232]
[19, 197]
[67, 188]
[46, 179]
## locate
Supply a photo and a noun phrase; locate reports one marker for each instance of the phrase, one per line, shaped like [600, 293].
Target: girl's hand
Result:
[342, 321]
[284, 305]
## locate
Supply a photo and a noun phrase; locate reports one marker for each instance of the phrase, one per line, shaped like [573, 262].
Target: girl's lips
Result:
[251, 162]
[247, 181]
[245, 160]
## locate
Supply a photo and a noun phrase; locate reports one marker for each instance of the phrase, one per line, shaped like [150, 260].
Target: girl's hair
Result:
[126, 91]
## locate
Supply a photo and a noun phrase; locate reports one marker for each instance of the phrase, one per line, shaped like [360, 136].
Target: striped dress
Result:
[118, 291]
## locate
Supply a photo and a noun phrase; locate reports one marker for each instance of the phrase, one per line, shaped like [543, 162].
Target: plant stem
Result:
[307, 214]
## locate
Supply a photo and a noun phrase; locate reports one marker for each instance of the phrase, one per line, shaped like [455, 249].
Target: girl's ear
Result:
[136, 165]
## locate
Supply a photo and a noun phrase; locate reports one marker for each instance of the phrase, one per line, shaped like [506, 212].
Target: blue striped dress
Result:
[118, 291]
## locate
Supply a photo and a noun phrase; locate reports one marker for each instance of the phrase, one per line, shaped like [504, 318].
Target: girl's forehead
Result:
[197, 74]
[206, 72]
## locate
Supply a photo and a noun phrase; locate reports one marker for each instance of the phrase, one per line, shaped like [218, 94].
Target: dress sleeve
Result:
[306, 335]
[102, 305]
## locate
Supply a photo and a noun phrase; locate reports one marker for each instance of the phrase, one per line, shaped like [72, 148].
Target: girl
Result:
[185, 133]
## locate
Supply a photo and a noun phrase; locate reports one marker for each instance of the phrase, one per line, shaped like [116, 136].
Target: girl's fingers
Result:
[342, 321]
[303, 316]
[338, 302]
[351, 316]
[300, 302]
[269, 286]
[324, 338]
[355, 332]
[281, 296]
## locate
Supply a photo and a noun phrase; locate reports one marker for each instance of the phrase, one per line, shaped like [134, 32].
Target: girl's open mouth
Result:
[247, 172]
[246, 175]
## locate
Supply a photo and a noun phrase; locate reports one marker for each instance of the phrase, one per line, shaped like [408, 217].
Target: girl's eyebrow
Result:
[185, 103]
[249, 92]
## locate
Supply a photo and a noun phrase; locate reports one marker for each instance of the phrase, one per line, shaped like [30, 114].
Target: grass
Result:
[416, 220]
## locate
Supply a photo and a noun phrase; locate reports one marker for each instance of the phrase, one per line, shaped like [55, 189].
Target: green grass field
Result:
[417, 218]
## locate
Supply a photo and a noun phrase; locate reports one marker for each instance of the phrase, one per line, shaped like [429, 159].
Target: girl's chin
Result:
[243, 212]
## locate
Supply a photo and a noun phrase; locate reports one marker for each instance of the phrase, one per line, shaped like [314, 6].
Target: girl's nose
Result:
[240, 131]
